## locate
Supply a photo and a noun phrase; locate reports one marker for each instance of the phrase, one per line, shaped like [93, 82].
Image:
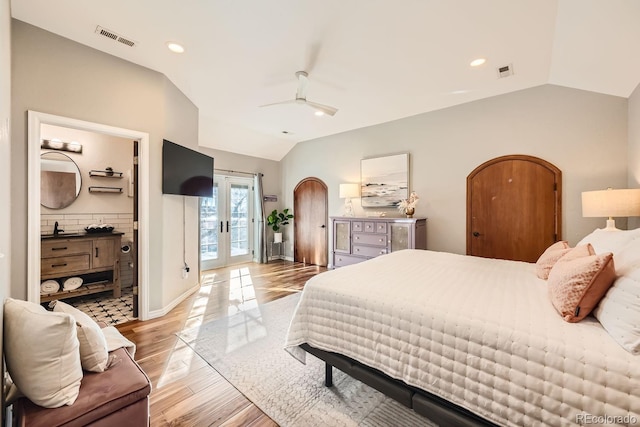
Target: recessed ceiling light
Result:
[319, 113]
[477, 62]
[175, 47]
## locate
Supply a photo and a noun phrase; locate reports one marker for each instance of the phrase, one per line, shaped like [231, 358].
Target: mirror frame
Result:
[77, 184]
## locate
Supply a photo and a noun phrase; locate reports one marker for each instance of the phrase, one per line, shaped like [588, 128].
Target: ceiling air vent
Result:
[114, 36]
[505, 71]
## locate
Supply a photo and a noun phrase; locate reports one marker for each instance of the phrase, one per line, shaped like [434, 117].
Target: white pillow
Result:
[619, 311]
[42, 354]
[93, 346]
[604, 240]
[628, 258]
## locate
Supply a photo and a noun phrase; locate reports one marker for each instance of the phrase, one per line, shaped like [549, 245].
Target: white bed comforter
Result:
[479, 332]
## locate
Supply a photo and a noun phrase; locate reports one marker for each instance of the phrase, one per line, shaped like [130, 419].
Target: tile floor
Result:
[104, 307]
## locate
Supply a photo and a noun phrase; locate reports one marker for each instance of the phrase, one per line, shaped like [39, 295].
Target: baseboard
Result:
[165, 310]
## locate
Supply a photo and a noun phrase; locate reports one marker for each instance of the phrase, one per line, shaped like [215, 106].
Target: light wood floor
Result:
[186, 391]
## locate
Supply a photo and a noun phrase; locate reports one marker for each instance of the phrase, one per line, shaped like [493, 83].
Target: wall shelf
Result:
[105, 174]
[100, 189]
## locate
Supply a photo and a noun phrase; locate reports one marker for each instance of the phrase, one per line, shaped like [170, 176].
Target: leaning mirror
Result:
[60, 180]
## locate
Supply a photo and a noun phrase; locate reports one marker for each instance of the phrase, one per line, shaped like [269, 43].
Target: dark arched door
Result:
[310, 223]
[513, 208]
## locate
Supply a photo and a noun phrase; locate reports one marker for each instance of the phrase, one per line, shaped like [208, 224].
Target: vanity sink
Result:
[62, 235]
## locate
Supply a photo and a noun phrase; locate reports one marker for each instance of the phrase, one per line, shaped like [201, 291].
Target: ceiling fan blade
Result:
[326, 109]
[290, 101]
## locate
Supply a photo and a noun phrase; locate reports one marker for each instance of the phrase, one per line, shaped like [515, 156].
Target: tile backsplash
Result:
[72, 223]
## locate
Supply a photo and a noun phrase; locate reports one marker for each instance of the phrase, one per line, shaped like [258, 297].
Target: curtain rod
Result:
[232, 171]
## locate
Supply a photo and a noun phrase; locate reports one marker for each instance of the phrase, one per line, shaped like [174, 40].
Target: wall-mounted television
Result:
[186, 172]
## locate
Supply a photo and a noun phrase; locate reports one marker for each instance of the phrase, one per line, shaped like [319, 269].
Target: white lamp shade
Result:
[611, 203]
[349, 190]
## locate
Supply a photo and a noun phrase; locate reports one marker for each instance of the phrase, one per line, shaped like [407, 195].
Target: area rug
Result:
[247, 350]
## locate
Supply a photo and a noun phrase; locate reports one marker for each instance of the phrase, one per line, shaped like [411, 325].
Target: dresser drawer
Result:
[65, 247]
[381, 227]
[64, 264]
[340, 260]
[369, 227]
[370, 239]
[370, 251]
[356, 226]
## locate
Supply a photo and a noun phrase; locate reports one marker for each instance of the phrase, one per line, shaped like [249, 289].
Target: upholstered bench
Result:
[44, 352]
[118, 396]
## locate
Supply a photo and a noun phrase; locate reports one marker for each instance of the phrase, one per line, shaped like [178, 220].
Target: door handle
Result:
[227, 226]
[96, 252]
[221, 225]
[476, 234]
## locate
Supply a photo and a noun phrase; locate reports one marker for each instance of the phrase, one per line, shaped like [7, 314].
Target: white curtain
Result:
[260, 227]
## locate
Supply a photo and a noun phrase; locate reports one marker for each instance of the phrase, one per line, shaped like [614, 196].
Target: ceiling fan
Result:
[301, 97]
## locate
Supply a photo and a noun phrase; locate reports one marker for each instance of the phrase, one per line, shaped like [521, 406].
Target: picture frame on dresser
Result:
[384, 181]
[357, 239]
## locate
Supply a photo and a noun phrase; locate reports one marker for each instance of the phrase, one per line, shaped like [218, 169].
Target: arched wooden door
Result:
[513, 208]
[310, 223]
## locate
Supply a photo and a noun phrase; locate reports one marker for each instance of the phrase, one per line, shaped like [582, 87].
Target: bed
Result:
[479, 337]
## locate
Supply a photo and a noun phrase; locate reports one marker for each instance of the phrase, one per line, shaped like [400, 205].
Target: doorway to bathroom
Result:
[104, 214]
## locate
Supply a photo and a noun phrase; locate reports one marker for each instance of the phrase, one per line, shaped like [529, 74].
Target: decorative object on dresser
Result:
[384, 180]
[358, 239]
[93, 258]
[347, 191]
[408, 206]
[611, 203]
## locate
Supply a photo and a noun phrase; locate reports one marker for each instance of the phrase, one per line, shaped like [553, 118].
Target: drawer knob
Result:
[381, 252]
[357, 249]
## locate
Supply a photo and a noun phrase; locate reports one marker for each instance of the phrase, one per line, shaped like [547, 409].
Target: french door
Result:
[226, 223]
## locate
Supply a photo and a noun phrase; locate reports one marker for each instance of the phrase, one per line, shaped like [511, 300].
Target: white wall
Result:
[582, 133]
[5, 165]
[634, 146]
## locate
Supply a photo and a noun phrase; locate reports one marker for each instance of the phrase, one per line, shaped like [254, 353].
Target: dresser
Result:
[358, 239]
[93, 257]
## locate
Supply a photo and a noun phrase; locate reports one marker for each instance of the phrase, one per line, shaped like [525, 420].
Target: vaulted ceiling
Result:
[374, 60]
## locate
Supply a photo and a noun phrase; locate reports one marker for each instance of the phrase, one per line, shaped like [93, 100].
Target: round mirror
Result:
[60, 180]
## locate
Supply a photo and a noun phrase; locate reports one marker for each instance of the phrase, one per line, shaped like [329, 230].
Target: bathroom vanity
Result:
[93, 257]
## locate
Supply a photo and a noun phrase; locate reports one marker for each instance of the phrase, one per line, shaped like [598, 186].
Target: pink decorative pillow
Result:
[577, 283]
[549, 257]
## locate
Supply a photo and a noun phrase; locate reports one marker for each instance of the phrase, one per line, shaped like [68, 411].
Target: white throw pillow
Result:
[604, 240]
[628, 258]
[42, 353]
[93, 346]
[619, 311]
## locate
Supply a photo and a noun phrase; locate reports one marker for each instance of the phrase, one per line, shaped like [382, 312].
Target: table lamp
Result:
[347, 191]
[611, 203]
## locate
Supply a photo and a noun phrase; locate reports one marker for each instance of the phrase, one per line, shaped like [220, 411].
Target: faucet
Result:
[57, 230]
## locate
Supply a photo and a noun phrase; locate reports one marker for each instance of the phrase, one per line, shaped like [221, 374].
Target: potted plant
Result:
[276, 220]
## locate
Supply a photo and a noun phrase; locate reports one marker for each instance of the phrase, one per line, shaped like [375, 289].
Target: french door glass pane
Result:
[239, 219]
[209, 227]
